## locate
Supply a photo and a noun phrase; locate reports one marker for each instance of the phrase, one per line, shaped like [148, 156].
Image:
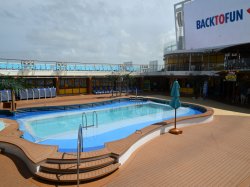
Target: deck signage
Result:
[220, 19]
[213, 23]
[231, 76]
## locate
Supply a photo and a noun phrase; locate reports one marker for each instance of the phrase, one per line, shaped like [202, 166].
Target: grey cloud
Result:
[7, 14]
[97, 31]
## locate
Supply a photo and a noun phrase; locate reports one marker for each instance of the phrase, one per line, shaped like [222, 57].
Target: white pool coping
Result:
[2, 125]
[157, 132]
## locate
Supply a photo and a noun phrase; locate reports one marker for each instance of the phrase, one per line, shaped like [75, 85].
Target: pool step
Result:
[83, 177]
[72, 167]
[71, 157]
[62, 167]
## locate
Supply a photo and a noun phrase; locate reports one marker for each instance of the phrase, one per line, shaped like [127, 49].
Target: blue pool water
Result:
[114, 121]
[2, 126]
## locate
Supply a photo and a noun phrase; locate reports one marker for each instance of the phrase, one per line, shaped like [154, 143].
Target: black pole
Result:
[175, 118]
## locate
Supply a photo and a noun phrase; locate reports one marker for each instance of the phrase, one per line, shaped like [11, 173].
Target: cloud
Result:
[111, 31]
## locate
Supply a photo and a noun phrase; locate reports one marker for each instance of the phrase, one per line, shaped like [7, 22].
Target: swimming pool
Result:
[2, 126]
[108, 123]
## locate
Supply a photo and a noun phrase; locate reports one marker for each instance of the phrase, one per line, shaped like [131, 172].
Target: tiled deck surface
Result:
[214, 154]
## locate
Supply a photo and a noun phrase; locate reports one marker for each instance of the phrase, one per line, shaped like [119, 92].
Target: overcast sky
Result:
[94, 31]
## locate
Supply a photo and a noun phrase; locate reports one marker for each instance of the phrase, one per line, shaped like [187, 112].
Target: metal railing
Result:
[79, 150]
[80, 139]
[86, 120]
[138, 100]
[95, 119]
[94, 116]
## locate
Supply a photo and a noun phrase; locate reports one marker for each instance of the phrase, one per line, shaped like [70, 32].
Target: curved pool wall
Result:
[205, 116]
[130, 144]
[121, 149]
[67, 143]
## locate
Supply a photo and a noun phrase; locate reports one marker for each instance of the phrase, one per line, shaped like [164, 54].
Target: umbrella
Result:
[175, 103]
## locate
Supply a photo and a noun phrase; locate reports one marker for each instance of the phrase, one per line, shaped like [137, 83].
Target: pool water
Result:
[107, 123]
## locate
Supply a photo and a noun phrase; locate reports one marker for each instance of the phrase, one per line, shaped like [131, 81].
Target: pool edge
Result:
[121, 149]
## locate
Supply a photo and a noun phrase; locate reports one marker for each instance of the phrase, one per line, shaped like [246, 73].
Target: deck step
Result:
[87, 176]
[71, 168]
[72, 158]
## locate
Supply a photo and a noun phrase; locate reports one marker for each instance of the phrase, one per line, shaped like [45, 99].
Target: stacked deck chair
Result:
[23, 94]
[36, 93]
[5, 95]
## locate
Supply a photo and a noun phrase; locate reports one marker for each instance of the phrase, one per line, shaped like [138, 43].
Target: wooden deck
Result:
[213, 154]
[205, 155]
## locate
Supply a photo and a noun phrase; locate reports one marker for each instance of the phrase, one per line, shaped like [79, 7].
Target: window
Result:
[61, 84]
[82, 83]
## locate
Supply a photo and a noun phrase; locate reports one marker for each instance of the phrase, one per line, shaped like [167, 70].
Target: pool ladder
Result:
[137, 100]
[80, 138]
[94, 120]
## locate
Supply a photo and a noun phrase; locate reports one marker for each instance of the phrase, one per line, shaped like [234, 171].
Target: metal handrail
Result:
[79, 150]
[86, 120]
[138, 100]
[80, 141]
[94, 116]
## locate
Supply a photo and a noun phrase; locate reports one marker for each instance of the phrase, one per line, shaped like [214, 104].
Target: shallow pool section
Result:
[2, 126]
[105, 123]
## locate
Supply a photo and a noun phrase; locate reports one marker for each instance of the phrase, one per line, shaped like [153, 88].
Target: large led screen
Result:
[215, 23]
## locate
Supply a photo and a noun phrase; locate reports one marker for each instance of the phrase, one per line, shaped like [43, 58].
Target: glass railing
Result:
[208, 67]
[34, 65]
[13, 64]
[170, 46]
